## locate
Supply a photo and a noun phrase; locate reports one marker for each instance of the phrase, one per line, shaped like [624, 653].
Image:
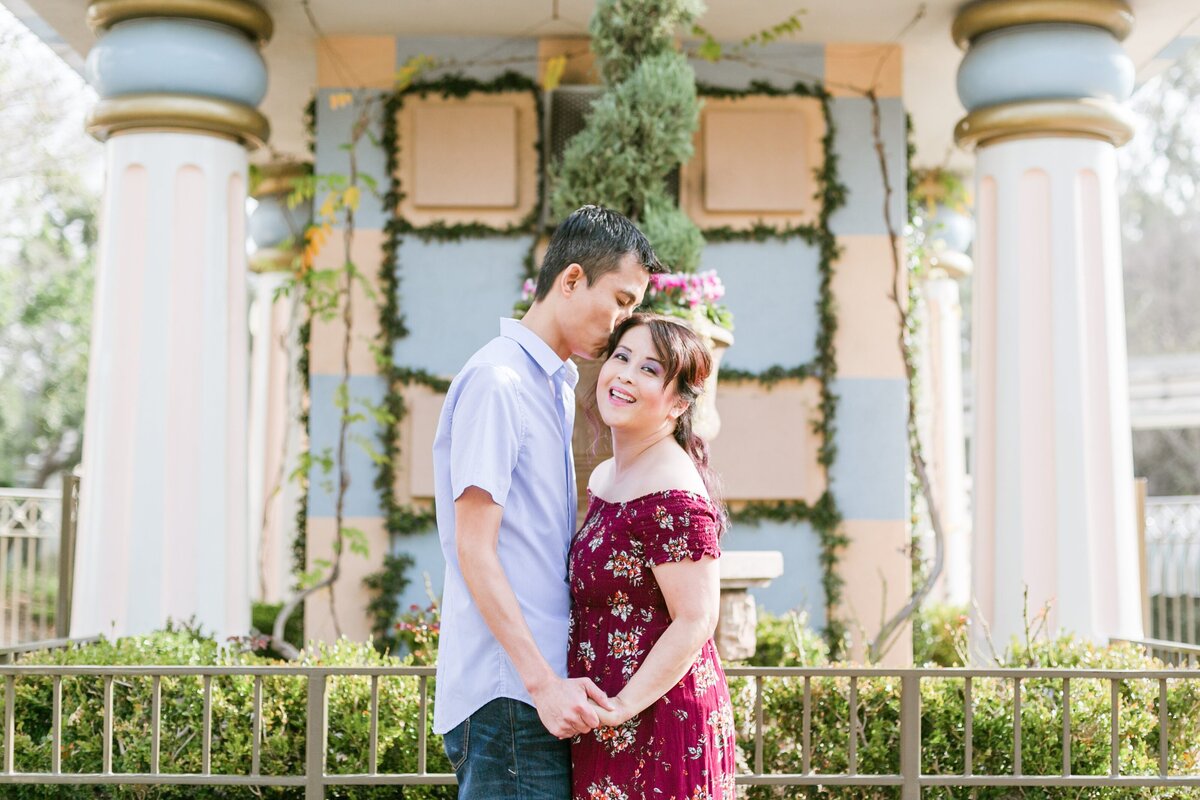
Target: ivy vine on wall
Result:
[402, 519]
[823, 515]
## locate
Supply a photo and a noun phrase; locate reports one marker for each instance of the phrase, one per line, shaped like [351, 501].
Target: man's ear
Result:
[572, 279]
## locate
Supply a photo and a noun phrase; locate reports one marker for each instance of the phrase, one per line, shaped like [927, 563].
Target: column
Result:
[162, 527]
[276, 389]
[1053, 479]
[941, 410]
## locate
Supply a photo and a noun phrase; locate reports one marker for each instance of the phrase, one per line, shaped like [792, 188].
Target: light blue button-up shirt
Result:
[506, 428]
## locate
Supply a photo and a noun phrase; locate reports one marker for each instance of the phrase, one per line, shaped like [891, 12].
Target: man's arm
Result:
[562, 704]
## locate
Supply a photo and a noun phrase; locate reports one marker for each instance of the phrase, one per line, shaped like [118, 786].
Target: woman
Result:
[645, 584]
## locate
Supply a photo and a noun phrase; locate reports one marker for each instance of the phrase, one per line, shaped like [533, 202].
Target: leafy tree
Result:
[48, 201]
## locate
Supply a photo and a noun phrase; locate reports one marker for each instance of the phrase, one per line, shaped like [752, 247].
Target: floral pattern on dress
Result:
[682, 746]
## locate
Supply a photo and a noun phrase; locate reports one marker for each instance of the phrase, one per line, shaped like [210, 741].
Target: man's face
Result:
[595, 310]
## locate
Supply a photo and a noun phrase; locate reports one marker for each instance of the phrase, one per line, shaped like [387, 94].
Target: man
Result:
[505, 491]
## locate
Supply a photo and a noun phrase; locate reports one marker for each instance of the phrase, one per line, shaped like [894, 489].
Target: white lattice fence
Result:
[29, 550]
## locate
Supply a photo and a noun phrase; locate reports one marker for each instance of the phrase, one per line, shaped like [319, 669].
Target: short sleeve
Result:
[486, 430]
[674, 529]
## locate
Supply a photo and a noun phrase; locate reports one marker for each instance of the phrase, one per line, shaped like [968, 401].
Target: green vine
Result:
[823, 516]
[405, 519]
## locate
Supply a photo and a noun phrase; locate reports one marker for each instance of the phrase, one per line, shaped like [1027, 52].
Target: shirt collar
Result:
[539, 351]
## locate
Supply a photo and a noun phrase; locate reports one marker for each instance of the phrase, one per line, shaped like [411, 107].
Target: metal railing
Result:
[1173, 568]
[907, 684]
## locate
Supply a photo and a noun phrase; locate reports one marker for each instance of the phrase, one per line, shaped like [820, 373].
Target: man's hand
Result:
[563, 707]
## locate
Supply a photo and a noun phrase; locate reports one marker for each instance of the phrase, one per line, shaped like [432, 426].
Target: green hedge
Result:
[784, 641]
[284, 714]
[788, 643]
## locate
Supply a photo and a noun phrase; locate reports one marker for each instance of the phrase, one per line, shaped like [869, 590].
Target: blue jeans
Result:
[503, 752]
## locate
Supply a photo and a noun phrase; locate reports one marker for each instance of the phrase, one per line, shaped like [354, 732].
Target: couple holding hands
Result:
[578, 661]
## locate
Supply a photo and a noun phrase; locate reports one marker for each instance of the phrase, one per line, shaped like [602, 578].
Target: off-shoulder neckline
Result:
[661, 493]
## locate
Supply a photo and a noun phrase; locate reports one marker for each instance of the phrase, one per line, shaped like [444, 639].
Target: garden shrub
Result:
[783, 641]
[942, 720]
[284, 715]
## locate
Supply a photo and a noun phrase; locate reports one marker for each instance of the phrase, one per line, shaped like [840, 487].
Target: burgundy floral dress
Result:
[682, 746]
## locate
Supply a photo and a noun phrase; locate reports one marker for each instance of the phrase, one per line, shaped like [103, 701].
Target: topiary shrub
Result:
[640, 129]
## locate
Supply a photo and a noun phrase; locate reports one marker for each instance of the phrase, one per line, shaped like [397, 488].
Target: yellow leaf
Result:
[411, 69]
[552, 77]
[350, 198]
[329, 207]
[340, 100]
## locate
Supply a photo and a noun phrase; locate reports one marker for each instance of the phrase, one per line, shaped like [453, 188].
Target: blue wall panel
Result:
[362, 500]
[453, 294]
[772, 288]
[334, 128]
[869, 477]
[800, 585]
[858, 164]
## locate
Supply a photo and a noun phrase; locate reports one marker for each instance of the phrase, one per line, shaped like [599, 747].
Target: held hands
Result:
[619, 714]
[570, 706]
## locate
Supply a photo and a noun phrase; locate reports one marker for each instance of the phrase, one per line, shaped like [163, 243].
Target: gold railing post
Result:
[66, 554]
[910, 736]
[315, 731]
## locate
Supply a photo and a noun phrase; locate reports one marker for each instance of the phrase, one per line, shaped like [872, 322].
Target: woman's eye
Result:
[651, 370]
[620, 356]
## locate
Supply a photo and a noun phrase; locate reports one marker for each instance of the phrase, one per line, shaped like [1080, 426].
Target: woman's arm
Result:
[692, 590]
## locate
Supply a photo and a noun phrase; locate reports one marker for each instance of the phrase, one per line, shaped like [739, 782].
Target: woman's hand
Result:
[620, 714]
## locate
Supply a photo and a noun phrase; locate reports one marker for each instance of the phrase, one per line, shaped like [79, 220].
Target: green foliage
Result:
[384, 587]
[678, 243]
[640, 129]
[783, 641]
[712, 50]
[787, 641]
[284, 714]
[262, 619]
[627, 32]
[636, 133]
[45, 322]
[940, 635]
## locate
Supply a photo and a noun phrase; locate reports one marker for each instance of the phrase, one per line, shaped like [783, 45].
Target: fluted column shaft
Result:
[1053, 477]
[162, 528]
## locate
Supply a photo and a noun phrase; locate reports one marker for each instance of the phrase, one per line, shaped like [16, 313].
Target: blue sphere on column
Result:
[1044, 62]
[178, 56]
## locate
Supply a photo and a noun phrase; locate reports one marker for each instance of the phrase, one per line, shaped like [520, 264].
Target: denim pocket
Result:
[455, 743]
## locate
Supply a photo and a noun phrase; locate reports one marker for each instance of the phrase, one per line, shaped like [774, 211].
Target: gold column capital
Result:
[166, 112]
[278, 177]
[1086, 117]
[248, 17]
[984, 16]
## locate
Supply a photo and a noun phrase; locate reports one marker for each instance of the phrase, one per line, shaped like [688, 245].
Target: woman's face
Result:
[630, 392]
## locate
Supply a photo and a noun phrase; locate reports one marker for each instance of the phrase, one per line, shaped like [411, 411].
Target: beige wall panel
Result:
[466, 156]
[759, 165]
[864, 286]
[852, 69]
[424, 408]
[767, 449]
[751, 163]
[878, 577]
[356, 61]
[581, 63]
[484, 177]
[325, 355]
[350, 596]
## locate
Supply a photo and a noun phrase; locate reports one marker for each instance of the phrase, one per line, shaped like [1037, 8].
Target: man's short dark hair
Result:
[596, 239]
